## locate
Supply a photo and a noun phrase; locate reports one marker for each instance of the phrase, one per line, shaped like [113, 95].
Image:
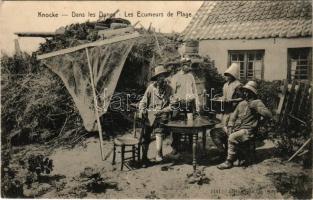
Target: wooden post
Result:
[95, 105]
[157, 43]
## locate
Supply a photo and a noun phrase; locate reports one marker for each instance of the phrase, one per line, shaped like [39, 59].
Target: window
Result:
[251, 63]
[300, 64]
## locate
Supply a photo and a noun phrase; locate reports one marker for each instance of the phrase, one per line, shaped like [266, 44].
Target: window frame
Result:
[245, 61]
[289, 59]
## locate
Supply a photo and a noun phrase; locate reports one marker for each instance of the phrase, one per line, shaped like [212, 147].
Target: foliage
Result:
[92, 181]
[291, 135]
[74, 34]
[39, 164]
[268, 92]
[213, 78]
[10, 186]
[34, 102]
[16, 181]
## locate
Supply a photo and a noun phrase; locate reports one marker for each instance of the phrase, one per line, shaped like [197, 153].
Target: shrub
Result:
[34, 101]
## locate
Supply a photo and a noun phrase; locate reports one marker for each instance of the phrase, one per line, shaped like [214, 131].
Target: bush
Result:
[34, 102]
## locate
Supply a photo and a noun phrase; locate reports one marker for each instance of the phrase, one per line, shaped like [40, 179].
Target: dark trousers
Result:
[146, 139]
[230, 143]
[175, 141]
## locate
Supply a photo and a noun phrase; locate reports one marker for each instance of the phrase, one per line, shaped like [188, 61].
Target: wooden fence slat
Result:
[287, 105]
[304, 95]
[296, 98]
[282, 99]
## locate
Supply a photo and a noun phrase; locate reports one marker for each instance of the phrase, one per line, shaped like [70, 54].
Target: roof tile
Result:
[251, 19]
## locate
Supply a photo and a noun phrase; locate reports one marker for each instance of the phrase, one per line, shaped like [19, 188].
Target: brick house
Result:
[272, 40]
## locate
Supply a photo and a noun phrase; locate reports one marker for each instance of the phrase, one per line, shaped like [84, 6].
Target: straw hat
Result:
[251, 85]
[158, 70]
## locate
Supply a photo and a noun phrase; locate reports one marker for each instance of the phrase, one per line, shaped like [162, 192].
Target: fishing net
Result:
[106, 61]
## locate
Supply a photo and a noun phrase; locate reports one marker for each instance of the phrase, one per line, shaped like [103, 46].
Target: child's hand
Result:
[253, 104]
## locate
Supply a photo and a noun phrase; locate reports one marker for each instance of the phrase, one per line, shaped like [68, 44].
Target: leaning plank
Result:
[91, 44]
[302, 147]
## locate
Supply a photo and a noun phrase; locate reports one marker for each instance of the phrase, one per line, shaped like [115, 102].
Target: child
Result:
[230, 91]
[155, 105]
[243, 122]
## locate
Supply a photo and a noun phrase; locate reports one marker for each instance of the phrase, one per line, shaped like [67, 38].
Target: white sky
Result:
[23, 16]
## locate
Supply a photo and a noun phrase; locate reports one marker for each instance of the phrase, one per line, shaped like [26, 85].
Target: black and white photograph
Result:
[156, 99]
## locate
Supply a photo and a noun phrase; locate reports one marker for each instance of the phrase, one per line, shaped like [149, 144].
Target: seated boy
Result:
[243, 122]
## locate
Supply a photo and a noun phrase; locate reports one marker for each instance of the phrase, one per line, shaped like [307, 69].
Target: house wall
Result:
[275, 56]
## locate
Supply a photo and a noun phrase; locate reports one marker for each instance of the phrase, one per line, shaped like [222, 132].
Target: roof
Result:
[251, 20]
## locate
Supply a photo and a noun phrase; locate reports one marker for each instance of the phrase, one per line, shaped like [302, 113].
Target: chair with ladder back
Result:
[129, 144]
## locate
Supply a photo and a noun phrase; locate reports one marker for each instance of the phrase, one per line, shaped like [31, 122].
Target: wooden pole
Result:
[91, 44]
[157, 43]
[95, 105]
[294, 155]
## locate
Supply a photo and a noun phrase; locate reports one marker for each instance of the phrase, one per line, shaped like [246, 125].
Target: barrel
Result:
[191, 47]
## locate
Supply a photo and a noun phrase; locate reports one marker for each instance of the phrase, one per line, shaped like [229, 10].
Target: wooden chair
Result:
[129, 144]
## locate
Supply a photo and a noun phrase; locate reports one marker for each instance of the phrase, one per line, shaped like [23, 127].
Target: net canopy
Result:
[106, 61]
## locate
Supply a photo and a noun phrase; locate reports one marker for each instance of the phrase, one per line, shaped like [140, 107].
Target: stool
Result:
[246, 152]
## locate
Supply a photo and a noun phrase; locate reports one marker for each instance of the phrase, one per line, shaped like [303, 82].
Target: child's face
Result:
[248, 94]
[161, 80]
[186, 68]
[229, 78]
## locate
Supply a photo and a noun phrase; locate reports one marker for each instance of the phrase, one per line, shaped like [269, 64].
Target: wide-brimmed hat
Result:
[158, 70]
[185, 60]
[251, 86]
[233, 70]
[174, 61]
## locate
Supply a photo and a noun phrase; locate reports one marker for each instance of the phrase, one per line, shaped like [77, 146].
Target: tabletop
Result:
[198, 122]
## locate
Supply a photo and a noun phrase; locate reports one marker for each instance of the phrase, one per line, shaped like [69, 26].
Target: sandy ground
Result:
[168, 179]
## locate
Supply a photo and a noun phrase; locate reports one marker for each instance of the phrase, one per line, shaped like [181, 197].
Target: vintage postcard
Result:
[156, 99]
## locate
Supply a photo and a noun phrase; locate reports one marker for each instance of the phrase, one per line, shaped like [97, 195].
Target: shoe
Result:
[173, 152]
[225, 165]
[146, 163]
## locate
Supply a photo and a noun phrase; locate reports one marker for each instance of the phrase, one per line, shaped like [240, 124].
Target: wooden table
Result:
[200, 124]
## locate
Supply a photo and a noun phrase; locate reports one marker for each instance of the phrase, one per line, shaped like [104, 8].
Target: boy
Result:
[155, 107]
[230, 91]
[243, 122]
